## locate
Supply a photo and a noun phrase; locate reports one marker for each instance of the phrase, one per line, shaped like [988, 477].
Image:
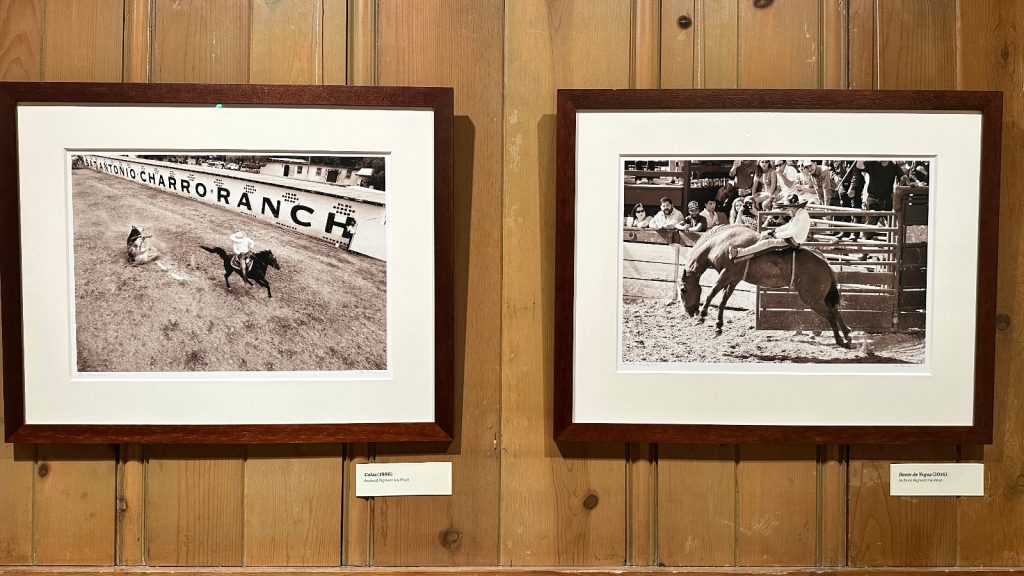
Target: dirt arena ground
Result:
[654, 331]
[328, 310]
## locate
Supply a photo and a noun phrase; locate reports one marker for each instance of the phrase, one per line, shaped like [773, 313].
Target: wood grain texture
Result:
[645, 60]
[286, 42]
[895, 530]
[834, 44]
[917, 44]
[335, 41]
[776, 507]
[780, 46]
[130, 506]
[862, 51]
[293, 505]
[74, 502]
[21, 39]
[138, 40]
[17, 468]
[990, 529]
[357, 513]
[194, 505]
[717, 25]
[83, 40]
[832, 504]
[446, 43]
[362, 42]
[642, 494]
[696, 505]
[545, 485]
[196, 41]
[678, 46]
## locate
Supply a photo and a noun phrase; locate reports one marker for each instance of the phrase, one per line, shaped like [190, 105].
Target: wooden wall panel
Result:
[561, 504]
[917, 44]
[458, 44]
[335, 41]
[645, 59]
[194, 505]
[293, 505]
[21, 39]
[138, 40]
[197, 41]
[678, 44]
[717, 25]
[74, 496]
[991, 530]
[131, 505]
[696, 505]
[897, 530]
[286, 42]
[83, 40]
[780, 46]
[362, 42]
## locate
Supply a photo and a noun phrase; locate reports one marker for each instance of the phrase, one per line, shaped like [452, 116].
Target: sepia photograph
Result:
[188, 262]
[774, 260]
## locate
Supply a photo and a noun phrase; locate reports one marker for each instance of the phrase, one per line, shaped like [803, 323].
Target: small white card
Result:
[404, 479]
[936, 479]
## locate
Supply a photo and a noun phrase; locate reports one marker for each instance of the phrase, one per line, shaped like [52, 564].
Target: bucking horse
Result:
[805, 271]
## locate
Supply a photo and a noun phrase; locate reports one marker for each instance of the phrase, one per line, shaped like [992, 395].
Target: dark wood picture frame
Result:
[439, 100]
[987, 104]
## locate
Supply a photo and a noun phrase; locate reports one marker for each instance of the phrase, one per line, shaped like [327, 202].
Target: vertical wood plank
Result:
[293, 505]
[194, 505]
[21, 44]
[717, 25]
[131, 500]
[21, 40]
[335, 41]
[991, 532]
[286, 42]
[917, 44]
[645, 61]
[83, 40]
[642, 504]
[677, 44]
[780, 46]
[357, 513]
[696, 505]
[776, 508]
[196, 41]
[362, 42]
[832, 505]
[74, 518]
[138, 45]
[862, 51]
[897, 530]
[834, 43]
[458, 44]
[545, 486]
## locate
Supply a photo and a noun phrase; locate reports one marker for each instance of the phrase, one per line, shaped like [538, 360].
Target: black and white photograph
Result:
[818, 260]
[229, 261]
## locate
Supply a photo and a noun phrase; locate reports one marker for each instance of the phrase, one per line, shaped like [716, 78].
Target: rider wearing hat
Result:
[790, 235]
[242, 246]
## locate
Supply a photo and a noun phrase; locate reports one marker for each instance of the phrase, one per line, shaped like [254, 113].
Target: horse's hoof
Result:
[700, 320]
[718, 332]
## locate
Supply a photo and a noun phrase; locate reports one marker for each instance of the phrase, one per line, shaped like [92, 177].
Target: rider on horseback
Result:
[789, 235]
[242, 246]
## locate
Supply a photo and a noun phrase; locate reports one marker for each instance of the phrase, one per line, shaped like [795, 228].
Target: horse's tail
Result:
[216, 250]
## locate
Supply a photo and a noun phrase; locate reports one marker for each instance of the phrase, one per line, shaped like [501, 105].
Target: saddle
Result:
[238, 266]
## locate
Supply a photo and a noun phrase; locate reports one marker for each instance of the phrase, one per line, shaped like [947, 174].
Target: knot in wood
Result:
[1005, 53]
[590, 502]
[762, 3]
[450, 538]
[1020, 481]
[685, 22]
[1003, 322]
[43, 469]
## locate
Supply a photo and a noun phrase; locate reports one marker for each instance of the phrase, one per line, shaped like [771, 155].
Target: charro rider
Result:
[790, 235]
[242, 246]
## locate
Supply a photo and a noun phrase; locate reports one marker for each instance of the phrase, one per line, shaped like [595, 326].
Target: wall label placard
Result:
[937, 480]
[404, 479]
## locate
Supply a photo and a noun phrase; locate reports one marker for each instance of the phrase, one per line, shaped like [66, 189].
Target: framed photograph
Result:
[776, 265]
[226, 263]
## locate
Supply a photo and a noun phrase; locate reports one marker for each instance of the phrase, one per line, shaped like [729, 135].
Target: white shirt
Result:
[798, 227]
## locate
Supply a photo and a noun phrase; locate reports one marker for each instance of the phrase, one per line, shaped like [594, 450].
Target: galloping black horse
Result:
[257, 272]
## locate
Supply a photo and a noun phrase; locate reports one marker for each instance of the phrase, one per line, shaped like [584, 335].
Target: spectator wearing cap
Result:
[640, 217]
[818, 179]
[694, 221]
[667, 218]
[790, 235]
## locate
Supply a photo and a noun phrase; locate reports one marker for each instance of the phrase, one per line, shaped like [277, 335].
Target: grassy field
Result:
[176, 314]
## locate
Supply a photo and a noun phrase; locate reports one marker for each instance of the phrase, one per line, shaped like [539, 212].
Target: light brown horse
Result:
[809, 273]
